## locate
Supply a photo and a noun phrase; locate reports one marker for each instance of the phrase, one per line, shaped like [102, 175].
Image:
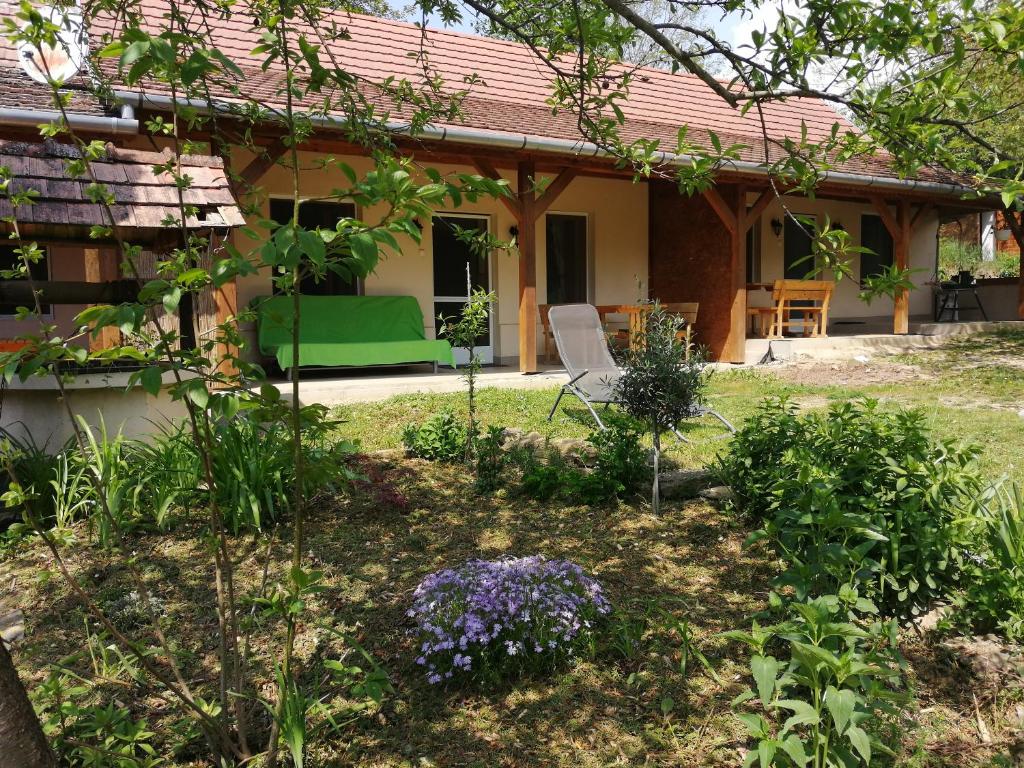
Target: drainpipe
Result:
[32, 118]
[523, 142]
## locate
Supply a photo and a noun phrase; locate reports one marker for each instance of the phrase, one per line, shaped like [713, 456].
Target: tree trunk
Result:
[655, 489]
[22, 742]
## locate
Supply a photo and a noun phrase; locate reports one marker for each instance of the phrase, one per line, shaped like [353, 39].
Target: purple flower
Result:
[494, 615]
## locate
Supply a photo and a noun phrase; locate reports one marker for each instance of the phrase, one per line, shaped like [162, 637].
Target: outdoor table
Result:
[947, 300]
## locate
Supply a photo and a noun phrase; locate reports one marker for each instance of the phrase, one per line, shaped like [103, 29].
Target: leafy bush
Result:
[821, 682]
[857, 496]
[488, 620]
[993, 600]
[619, 468]
[440, 438]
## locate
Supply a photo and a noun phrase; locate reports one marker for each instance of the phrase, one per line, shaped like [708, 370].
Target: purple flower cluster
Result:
[489, 617]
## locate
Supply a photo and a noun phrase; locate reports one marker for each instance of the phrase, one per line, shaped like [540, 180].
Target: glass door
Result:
[458, 263]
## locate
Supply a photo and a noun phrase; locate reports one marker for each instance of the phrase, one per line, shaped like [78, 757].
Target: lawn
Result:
[643, 699]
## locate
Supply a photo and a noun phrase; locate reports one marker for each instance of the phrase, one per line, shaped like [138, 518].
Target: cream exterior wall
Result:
[616, 211]
[846, 303]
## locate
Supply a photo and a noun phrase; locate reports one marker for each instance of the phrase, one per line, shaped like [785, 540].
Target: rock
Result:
[12, 626]
[930, 621]
[574, 447]
[989, 659]
[718, 493]
[389, 454]
[684, 483]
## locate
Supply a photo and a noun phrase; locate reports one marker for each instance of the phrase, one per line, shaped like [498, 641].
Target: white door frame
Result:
[486, 352]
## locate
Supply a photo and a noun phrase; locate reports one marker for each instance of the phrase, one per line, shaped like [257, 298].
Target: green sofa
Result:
[349, 330]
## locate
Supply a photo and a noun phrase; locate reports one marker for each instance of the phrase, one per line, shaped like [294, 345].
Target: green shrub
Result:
[856, 495]
[821, 683]
[439, 438]
[619, 468]
[993, 600]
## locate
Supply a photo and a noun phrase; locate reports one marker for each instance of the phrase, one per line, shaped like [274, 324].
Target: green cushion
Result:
[349, 330]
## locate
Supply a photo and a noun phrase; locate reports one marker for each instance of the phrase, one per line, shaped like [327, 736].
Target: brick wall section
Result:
[689, 258]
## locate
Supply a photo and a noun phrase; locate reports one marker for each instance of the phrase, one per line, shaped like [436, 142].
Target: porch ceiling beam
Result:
[722, 208]
[259, 165]
[554, 189]
[763, 201]
[885, 213]
[487, 170]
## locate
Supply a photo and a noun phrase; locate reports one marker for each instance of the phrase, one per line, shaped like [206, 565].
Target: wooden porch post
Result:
[900, 227]
[737, 221]
[225, 300]
[1017, 228]
[527, 268]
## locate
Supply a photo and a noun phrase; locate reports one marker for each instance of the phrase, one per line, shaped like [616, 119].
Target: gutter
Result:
[33, 118]
[576, 148]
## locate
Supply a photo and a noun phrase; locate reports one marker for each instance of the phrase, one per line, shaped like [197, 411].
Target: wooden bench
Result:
[808, 298]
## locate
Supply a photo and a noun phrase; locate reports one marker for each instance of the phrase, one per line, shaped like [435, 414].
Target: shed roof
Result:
[142, 199]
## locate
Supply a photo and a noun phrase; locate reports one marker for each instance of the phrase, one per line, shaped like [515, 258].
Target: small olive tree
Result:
[662, 381]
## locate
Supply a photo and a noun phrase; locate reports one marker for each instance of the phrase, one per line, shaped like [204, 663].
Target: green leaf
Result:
[794, 748]
[840, 705]
[860, 741]
[803, 713]
[151, 380]
[765, 670]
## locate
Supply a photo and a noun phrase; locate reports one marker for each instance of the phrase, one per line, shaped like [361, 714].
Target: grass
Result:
[373, 549]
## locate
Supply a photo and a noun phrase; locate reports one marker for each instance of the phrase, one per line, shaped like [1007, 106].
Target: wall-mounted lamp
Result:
[418, 223]
[838, 225]
[777, 227]
[513, 231]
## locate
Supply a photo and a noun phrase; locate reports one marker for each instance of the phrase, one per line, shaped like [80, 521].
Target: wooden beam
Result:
[527, 267]
[487, 170]
[901, 303]
[69, 291]
[723, 209]
[554, 189]
[225, 299]
[101, 267]
[888, 219]
[259, 165]
[750, 216]
[735, 348]
[919, 212]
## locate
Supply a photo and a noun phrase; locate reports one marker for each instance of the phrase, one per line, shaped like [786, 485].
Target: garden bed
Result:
[631, 704]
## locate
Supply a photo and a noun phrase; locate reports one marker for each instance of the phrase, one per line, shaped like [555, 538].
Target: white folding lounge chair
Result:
[592, 370]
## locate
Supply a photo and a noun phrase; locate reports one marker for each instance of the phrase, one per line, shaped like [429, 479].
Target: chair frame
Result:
[572, 388]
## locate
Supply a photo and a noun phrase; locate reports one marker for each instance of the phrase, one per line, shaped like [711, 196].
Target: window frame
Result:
[360, 282]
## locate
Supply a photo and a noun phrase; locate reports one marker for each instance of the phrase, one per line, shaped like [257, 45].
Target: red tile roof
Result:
[511, 96]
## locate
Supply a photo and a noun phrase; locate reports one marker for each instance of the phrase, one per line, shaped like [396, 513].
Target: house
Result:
[594, 234]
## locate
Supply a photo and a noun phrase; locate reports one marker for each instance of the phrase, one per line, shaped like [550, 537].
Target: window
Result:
[754, 252]
[9, 260]
[876, 238]
[566, 258]
[312, 214]
[798, 248]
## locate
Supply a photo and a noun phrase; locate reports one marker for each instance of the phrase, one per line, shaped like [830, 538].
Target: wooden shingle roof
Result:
[143, 199]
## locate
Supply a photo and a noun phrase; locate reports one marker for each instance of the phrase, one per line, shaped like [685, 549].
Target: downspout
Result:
[523, 142]
[126, 124]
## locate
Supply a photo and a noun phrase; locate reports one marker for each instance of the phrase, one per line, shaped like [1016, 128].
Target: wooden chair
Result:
[549, 339]
[809, 298]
